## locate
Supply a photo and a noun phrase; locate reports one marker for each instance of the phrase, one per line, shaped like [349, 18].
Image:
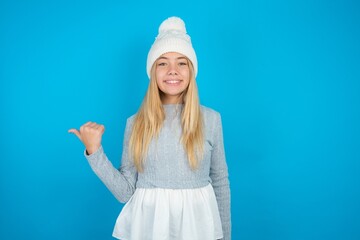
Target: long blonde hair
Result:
[151, 115]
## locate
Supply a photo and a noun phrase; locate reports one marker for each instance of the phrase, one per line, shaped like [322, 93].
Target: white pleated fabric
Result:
[170, 214]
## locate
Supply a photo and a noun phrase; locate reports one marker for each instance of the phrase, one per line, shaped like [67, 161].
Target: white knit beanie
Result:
[172, 37]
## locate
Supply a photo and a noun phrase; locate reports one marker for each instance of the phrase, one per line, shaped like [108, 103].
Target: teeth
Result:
[172, 81]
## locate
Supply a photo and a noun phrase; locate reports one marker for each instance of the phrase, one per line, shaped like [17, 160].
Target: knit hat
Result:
[172, 37]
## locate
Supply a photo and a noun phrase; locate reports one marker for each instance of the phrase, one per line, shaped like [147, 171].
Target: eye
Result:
[161, 64]
[182, 63]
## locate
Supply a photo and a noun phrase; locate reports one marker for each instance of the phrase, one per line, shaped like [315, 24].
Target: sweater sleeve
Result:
[121, 182]
[219, 176]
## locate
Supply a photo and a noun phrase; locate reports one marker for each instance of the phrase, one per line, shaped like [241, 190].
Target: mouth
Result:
[172, 82]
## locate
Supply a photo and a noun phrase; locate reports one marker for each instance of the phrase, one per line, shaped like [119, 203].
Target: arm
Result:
[121, 182]
[219, 176]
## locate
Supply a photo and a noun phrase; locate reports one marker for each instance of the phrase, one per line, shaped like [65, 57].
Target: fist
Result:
[90, 135]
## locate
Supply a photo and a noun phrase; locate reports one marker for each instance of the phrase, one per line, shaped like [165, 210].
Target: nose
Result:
[172, 69]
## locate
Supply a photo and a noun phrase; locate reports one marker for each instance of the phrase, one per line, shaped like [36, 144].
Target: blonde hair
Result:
[151, 115]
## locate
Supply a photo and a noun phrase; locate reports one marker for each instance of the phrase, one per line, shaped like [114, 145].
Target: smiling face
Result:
[172, 76]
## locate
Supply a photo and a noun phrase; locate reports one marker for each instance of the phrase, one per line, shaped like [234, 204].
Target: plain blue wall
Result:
[283, 74]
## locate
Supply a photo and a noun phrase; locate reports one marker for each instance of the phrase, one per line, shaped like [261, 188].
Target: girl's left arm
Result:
[220, 177]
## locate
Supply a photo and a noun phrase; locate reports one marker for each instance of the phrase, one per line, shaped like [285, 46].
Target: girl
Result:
[173, 175]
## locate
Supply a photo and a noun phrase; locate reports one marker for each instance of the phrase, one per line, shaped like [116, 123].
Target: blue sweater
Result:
[166, 164]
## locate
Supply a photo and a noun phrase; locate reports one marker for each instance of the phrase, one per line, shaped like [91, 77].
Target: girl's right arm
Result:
[121, 182]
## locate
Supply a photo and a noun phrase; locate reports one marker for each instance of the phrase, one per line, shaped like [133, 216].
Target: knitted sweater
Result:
[166, 164]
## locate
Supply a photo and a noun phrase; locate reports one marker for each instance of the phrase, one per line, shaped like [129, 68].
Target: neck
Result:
[171, 100]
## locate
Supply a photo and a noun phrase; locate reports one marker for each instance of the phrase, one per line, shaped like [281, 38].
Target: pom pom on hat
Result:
[172, 24]
[172, 37]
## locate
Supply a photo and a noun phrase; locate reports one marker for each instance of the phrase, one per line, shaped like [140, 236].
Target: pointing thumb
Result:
[76, 132]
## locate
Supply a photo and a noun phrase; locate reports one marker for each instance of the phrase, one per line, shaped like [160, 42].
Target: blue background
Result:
[283, 74]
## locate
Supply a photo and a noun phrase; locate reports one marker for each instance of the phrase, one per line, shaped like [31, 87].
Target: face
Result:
[172, 76]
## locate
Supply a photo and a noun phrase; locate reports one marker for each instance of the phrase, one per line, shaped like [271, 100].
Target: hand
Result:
[90, 135]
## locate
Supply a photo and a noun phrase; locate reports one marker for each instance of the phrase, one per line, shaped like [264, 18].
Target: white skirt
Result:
[170, 214]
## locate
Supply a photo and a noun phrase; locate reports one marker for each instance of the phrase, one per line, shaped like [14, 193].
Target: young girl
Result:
[173, 175]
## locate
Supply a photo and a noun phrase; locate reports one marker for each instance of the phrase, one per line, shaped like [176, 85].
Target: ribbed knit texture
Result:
[166, 165]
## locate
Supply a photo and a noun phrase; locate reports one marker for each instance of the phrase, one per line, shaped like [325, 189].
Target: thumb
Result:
[76, 132]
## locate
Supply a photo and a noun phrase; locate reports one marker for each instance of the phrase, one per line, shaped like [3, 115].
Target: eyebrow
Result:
[168, 58]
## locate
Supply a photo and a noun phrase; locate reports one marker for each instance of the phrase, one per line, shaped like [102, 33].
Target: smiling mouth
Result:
[172, 81]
